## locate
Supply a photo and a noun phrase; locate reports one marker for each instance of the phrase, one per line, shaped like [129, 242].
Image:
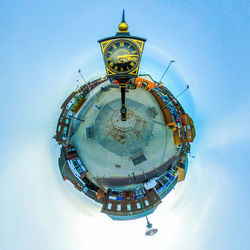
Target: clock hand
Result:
[127, 56]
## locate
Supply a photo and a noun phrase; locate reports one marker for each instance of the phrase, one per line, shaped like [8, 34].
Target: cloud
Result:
[36, 204]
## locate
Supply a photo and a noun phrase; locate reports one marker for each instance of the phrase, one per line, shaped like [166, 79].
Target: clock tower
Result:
[122, 55]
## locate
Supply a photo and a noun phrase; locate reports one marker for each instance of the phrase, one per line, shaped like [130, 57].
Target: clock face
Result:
[122, 56]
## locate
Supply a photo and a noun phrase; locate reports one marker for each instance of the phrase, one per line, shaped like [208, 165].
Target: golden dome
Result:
[123, 27]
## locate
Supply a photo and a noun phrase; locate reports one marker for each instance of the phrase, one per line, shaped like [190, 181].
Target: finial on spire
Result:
[123, 27]
[123, 16]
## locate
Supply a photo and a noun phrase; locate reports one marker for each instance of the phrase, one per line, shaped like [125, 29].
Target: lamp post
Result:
[72, 117]
[166, 70]
[150, 231]
[182, 92]
[78, 84]
[79, 71]
[176, 97]
[123, 107]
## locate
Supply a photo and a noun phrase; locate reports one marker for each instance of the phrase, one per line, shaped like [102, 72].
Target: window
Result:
[67, 121]
[118, 193]
[127, 195]
[59, 128]
[160, 183]
[69, 150]
[78, 168]
[65, 129]
[138, 205]
[119, 206]
[75, 163]
[70, 113]
[65, 113]
[146, 203]
[144, 84]
[109, 206]
[128, 207]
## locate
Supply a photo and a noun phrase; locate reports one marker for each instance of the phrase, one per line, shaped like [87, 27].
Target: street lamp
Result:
[182, 92]
[166, 70]
[150, 231]
[176, 97]
[79, 71]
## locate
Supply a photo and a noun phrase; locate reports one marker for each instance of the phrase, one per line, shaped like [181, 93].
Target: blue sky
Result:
[44, 43]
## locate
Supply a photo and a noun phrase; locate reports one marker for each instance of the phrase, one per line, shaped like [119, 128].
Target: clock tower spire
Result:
[123, 15]
[123, 27]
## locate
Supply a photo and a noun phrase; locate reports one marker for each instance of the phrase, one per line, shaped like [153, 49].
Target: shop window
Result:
[128, 207]
[146, 203]
[109, 206]
[119, 206]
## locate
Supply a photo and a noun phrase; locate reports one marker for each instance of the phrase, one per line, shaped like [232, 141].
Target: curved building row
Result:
[128, 167]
